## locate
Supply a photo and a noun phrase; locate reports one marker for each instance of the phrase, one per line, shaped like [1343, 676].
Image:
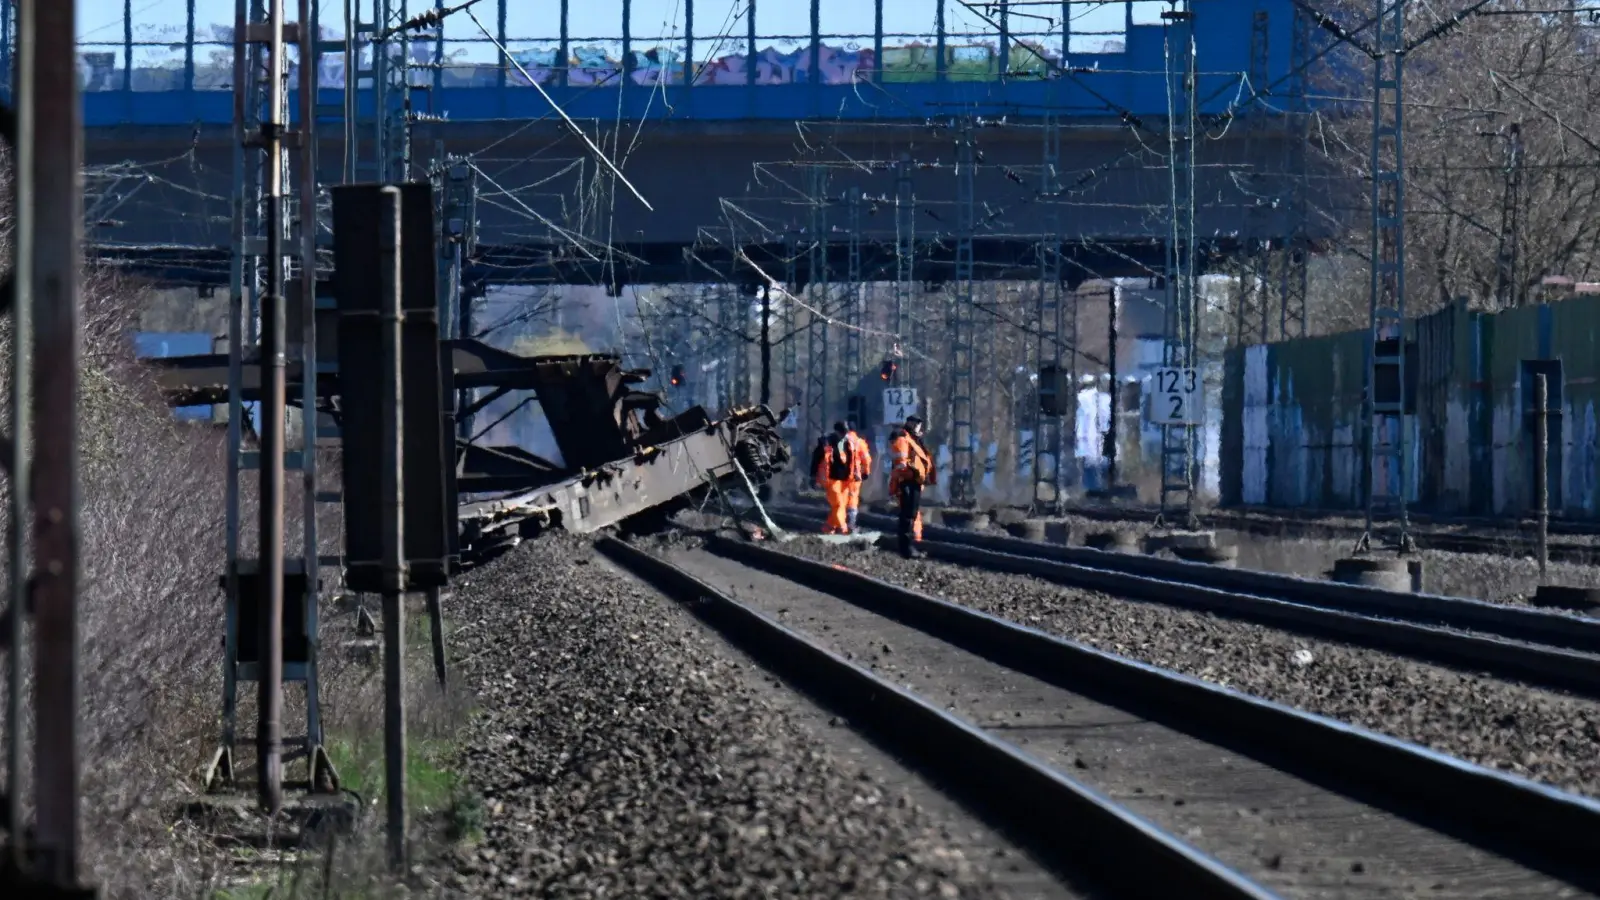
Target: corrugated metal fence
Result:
[1292, 414]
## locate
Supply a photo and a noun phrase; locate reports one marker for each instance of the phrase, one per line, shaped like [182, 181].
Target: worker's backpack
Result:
[839, 460]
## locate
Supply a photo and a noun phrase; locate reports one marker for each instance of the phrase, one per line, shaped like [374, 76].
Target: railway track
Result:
[1490, 537]
[1135, 777]
[1549, 649]
[1497, 537]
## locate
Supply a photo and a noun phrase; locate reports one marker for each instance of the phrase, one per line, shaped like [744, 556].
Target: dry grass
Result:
[152, 520]
[152, 548]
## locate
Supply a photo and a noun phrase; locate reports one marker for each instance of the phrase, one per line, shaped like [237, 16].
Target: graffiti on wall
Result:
[163, 68]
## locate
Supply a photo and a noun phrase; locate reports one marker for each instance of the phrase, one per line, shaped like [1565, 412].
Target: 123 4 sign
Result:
[1175, 397]
[898, 402]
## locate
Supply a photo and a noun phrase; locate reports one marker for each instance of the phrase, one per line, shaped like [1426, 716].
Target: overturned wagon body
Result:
[657, 478]
[621, 458]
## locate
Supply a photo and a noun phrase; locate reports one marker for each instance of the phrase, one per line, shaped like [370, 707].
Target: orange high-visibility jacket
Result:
[909, 460]
[841, 460]
[863, 454]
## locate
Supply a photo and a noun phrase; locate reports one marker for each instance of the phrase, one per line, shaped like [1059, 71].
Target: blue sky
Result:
[163, 20]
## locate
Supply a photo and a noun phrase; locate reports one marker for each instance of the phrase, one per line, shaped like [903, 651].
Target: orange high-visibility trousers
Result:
[838, 494]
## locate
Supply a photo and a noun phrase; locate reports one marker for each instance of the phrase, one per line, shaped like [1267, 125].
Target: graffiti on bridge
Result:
[599, 64]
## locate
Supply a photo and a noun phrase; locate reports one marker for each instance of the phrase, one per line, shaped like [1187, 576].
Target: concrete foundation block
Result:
[1222, 557]
[1182, 540]
[965, 519]
[1366, 571]
[1113, 541]
[1028, 530]
[1560, 596]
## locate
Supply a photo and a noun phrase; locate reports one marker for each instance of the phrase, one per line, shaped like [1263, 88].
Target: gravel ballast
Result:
[1498, 578]
[621, 750]
[1538, 734]
[1293, 836]
[1510, 579]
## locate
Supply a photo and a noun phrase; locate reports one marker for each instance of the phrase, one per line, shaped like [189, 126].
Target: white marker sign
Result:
[898, 402]
[1175, 397]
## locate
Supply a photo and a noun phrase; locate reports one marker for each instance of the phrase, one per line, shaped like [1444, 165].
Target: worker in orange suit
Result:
[837, 471]
[863, 454]
[910, 469]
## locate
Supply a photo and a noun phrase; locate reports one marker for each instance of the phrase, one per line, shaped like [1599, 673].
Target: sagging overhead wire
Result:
[571, 125]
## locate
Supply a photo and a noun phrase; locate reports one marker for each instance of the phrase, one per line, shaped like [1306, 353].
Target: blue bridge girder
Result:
[728, 60]
[994, 258]
[721, 125]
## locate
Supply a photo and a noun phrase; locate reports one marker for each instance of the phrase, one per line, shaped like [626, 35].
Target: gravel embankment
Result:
[622, 751]
[1535, 733]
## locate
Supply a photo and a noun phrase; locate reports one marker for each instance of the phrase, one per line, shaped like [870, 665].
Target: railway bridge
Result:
[735, 124]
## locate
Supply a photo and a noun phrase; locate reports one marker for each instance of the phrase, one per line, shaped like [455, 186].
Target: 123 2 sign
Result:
[898, 402]
[1175, 397]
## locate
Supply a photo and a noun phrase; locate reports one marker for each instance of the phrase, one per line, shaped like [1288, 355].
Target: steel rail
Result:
[1512, 537]
[1537, 826]
[1512, 623]
[1067, 823]
[1545, 666]
[1509, 539]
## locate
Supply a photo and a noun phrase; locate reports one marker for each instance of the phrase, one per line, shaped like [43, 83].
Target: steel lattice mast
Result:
[1051, 427]
[1178, 474]
[1385, 439]
[818, 415]
[963, 339]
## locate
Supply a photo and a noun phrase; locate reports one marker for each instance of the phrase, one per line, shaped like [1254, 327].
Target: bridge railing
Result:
[185, 46]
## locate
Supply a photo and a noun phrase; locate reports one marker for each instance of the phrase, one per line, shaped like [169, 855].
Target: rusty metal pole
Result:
[53, 156]
[394, 562]
[310, 474]
[20, 563]
[269, 735]
[1541, 468]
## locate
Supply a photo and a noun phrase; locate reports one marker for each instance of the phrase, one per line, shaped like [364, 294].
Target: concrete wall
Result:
[1292, 415]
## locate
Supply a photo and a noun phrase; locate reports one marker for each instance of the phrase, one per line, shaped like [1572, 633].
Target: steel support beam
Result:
[1508, 268]
[1051, 426]
[1253, 306]
[275, 246]
[963, 347]
[316, 428]
[377, 145]
[819, 415]
[789, 356]
[458, 242]
[905, 255]
[1294, 251]
[856, 296]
